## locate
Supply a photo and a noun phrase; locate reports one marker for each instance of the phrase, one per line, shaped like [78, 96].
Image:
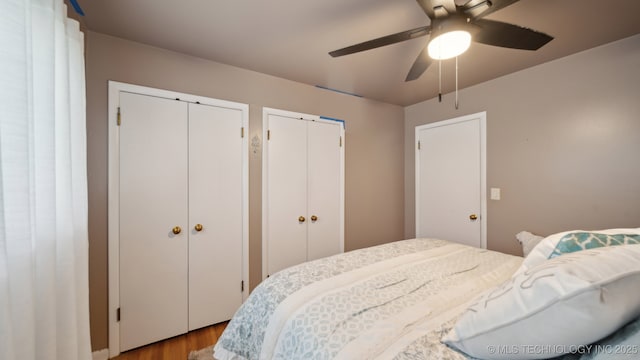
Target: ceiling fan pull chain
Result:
[456, 83]
[440, 80]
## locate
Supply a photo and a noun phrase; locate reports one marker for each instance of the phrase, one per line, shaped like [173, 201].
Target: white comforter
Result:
[392, 301]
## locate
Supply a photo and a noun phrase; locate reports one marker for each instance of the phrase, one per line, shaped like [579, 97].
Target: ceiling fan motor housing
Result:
[452, 22]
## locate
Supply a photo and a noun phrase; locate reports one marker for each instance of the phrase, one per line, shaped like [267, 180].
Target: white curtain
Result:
[44, 310]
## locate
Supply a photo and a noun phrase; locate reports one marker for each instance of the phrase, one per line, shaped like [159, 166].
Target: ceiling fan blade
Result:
[497, 33]
[437, 8]
[382, 41]
[420, 65]
[481, 8]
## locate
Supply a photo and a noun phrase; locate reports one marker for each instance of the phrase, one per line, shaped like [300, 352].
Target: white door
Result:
[174, 165]
[303, 189]
[215, 203]
[450, 180]
[286, 193]
[153, 200]
[324, 181]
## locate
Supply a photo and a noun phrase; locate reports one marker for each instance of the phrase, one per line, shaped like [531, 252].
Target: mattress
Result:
[393, 301]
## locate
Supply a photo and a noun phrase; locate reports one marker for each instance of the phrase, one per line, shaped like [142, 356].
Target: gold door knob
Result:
[314, 218]
[176, 230]
[301, 219]
[198, 227]
[473, 217]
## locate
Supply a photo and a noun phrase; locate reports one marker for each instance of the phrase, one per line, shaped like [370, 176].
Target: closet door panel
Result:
[324, 171]
[286, 193]
[153, 200]
[215, 202]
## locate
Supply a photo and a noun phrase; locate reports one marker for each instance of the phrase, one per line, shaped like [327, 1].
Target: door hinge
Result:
[242, 132]
[418, 145]
[268, 134]
[118, 314]
[242, 286]
[119, 121]
[340, 141]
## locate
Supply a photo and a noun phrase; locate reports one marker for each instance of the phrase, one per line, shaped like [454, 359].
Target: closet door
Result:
[324, 182]
[215, 214]
[153, 203]
[286, 188]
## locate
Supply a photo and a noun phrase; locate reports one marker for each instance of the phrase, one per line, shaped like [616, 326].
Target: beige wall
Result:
[563, 144]
[374, 146]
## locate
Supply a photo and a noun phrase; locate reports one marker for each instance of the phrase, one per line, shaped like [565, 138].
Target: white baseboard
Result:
[100, 354]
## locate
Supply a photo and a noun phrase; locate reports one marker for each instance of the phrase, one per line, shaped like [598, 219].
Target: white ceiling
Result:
[291, 38]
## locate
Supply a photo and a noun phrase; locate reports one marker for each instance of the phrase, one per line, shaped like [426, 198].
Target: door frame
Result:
[115, 88]
[482, 118]
[302, 117]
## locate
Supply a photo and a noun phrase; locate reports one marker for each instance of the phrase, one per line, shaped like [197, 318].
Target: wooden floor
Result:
[176, 348]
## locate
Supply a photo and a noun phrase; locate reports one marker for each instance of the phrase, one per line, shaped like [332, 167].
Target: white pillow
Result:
[553, 308]
[546, 247]
[528, 241]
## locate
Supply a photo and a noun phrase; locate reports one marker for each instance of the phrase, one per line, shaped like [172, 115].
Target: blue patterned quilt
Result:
[392, 301]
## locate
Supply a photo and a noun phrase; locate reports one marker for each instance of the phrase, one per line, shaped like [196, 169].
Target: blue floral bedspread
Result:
[389, 301]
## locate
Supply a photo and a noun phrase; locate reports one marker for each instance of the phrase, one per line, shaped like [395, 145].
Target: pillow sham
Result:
[554, 308]
[546, 248]
[528, 241]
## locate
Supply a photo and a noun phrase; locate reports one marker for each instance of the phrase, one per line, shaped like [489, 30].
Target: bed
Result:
[393, 301]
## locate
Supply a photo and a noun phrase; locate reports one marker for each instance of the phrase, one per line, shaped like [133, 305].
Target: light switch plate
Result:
[495, 193]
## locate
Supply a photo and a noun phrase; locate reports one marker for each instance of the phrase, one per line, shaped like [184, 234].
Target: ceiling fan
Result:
[452, 28]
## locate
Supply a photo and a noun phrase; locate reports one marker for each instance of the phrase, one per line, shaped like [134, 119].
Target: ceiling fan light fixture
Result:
[449, 44]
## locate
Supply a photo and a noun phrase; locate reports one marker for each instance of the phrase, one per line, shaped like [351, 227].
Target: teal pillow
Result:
[577, 241]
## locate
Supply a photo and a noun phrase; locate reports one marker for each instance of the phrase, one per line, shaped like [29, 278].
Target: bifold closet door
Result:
[153, 219]
[303, 187]
[286, 193]
[323, 192]
[215, 214]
